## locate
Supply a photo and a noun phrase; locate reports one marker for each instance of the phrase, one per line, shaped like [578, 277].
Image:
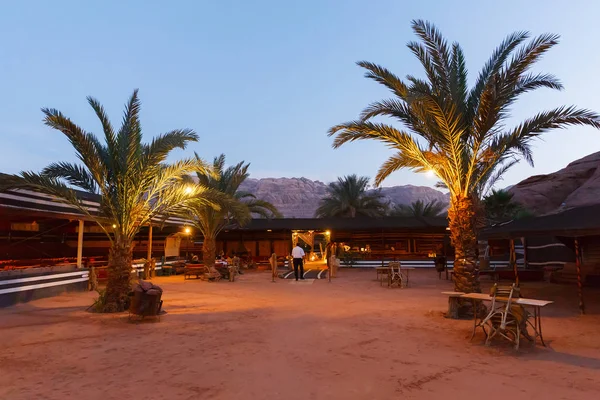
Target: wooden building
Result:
[46, 245]
[371, 239]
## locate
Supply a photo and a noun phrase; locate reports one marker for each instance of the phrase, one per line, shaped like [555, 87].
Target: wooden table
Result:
[534, 303]
[381, 271]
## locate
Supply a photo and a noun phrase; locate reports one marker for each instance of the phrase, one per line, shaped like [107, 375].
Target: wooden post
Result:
[149, 257]
[382, 248]
[329, 265]
[80, 245]
[273, 266]
[579, 283]
[524, 242]
[513, 260]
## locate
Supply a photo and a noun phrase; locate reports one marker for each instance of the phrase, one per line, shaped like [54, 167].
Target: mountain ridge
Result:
[299, 197]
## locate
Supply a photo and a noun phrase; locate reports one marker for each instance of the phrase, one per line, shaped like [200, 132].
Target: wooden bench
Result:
[198, 270]
[453, 304]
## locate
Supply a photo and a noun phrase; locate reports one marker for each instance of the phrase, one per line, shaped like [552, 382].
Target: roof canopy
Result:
[575, 222]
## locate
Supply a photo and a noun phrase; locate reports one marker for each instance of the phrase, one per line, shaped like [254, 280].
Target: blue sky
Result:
[259, 79]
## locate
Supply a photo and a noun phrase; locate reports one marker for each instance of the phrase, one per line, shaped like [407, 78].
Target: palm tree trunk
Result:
[209, 250]
[119, 276]
[463, 232]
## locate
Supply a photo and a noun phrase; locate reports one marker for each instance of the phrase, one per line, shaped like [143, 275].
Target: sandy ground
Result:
[254, 339]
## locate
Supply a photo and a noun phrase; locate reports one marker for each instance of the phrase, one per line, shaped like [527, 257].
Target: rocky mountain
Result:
[299, 197]
[578, 184]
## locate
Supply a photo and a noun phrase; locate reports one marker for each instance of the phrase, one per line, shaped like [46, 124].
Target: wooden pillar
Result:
[513, 261]
[524, 242]
[382, 248]
[273, 262]
[80, 245]
[149, 257]
[579, 283]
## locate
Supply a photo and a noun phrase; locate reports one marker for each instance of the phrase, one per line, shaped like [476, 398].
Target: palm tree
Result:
[236, 206]
[500, 207]
[135, 183]
[348, 197]
[457, 132]
[419, 208]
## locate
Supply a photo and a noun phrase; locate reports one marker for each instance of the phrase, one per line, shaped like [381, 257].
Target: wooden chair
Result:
[233, 271]
[211, 274]
[394, 276]
[505, 318]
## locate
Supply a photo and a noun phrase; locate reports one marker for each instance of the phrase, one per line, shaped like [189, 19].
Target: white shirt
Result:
[297, 252]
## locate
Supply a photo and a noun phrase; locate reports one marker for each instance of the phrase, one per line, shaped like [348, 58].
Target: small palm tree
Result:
[419, 208]
[348, 197]
[458, 132]
[235, 206]
[500, 207]
[135, 183]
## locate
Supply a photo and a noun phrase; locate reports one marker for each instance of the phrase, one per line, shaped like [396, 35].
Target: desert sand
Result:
[253, 339]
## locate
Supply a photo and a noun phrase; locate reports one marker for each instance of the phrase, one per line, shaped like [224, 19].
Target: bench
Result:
[194, 269]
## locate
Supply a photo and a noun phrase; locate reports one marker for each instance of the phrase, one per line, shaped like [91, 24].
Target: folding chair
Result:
[505, 318]
[394, 276]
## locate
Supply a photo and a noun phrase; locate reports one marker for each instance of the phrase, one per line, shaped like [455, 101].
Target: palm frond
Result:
[493, 66]
[560, 117]
[395, 163]
[129, 137]
[157, 151]
[234, 204]
[76, 175]
[385, 77]
[44, 184]
[87, 148]
[107, 128]
[348, 197]
[438, 50]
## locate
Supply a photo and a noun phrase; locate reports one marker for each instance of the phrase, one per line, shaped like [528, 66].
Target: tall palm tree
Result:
[500, 207]
[457, 132]
[419, 208]
[348, 197]
[236, 206]
[135, 183]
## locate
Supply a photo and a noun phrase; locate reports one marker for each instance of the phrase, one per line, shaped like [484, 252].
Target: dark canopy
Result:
[574, 222]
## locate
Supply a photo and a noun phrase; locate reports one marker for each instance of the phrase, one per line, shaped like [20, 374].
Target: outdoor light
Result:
[327, 233]
[114, 226]
[269, 230]
[187, 230]
[430, 173]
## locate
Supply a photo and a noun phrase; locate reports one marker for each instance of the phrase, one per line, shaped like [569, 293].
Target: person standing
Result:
[298, 256]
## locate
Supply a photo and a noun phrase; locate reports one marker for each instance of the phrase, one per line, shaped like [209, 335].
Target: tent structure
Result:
[570, 226]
